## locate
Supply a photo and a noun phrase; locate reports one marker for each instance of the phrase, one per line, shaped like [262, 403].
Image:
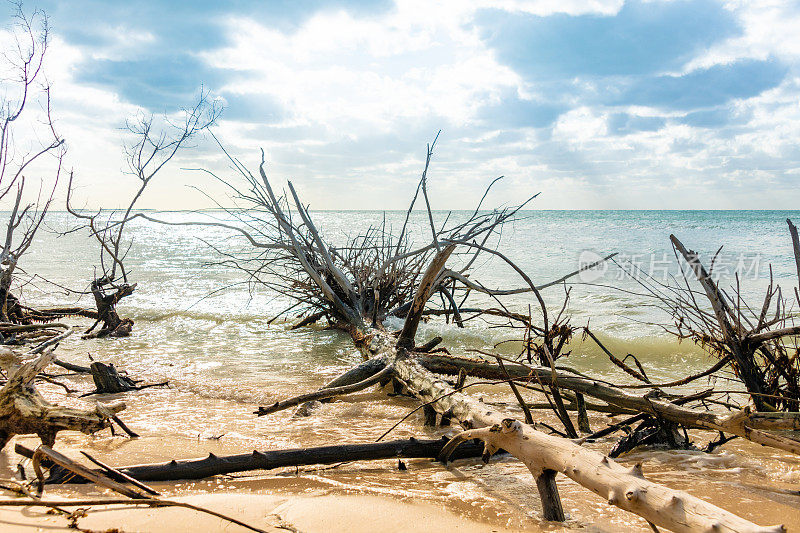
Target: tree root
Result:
[24, 411]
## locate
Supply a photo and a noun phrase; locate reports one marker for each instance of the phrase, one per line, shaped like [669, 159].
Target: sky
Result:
[597, 104]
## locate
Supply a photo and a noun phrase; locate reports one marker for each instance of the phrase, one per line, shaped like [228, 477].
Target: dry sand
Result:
[269, 502]
[271, 512]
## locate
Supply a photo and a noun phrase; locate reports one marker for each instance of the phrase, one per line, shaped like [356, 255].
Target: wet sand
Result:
[196, 417]
[468, 496]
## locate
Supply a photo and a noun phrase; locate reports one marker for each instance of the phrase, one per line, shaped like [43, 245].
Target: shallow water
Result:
[201, 328]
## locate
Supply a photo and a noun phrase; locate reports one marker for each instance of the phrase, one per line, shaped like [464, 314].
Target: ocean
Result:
[200, 325]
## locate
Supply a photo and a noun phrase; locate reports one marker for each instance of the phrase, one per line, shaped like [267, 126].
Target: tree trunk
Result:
[267, 460]
[6, 272]
[743, 423]
[112, 324]
[108, 380]
[24, 411]
[620, 486]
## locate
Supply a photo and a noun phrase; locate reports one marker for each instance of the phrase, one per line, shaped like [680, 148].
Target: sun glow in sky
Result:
[598, 104]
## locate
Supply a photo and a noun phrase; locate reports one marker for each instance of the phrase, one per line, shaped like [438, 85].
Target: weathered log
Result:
[71, 367]
[738, 423]
[310, 319]
[51, 313]
[24, 411]
[589, 406]
[775, 421]
[108, 380]
[120, 476]
[622, 487]
[268, 460]
[642, 416]
[428, 346]
[84, 472]
[15, 328]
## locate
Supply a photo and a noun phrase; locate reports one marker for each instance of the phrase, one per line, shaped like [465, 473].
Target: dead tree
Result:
[758, 341]
[24, 411]
[214, 465]
[21, 94]
[380, 274]
[154, 145]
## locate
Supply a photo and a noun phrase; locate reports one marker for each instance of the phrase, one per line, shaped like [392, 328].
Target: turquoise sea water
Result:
[175, 270]
[203, 313]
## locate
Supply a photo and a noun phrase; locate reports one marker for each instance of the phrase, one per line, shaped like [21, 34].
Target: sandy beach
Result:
[467, 496]
[270, 512]
[294, 502]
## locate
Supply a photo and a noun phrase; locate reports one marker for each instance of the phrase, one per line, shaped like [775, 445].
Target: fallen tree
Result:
[358, 286]
[270, 459]
[744, 423]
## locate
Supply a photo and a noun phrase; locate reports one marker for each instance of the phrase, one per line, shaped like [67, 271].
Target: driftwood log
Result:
[108, 380]
[744, 423]
[270, 459]
[624, 487]
[24, 411]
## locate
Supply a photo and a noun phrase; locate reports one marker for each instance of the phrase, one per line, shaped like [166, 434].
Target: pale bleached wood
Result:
[626, 488]
[24, 411]
[620, 486]
[424, 290]
[743, 423]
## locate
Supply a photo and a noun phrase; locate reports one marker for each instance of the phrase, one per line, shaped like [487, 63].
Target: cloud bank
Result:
[598, 104]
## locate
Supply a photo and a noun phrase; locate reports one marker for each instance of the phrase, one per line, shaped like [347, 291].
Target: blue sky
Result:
[597, 104]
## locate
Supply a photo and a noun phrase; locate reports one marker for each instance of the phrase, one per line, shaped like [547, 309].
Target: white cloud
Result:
[366, 73]
[769, 30]
[579, 126]
[363, 94]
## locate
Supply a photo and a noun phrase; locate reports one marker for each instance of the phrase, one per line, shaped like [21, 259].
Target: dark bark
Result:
[363, 371]
[108, 380]
[268, 460]
[548, 492]
[112, 324]
[7, 301]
